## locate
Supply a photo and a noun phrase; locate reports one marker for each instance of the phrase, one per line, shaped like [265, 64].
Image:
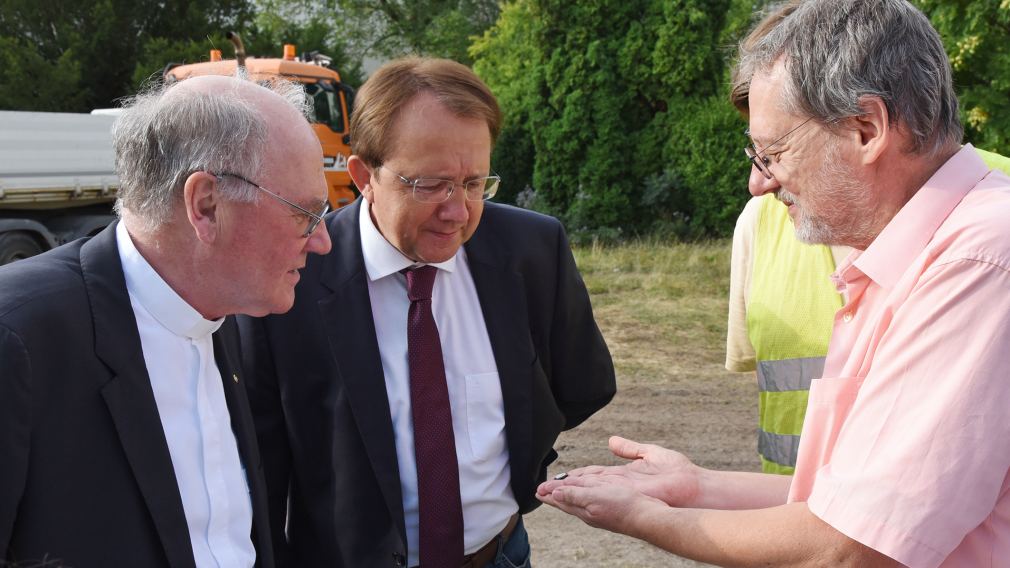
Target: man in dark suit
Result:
[125, 433]
[408, 404]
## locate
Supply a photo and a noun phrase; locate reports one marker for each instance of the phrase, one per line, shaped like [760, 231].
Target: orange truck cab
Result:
[330, 103]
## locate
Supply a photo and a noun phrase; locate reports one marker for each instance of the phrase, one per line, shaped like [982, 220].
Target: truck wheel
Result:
[17, 245]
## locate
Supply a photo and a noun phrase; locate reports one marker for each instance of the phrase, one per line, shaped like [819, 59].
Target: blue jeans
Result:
[515, 552]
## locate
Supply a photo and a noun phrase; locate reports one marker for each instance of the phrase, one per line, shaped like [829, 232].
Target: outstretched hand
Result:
[654, 471]
[613, 507]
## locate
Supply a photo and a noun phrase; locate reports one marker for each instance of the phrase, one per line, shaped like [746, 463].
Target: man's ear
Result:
[361, 175]
[201, 199]
[872, 129]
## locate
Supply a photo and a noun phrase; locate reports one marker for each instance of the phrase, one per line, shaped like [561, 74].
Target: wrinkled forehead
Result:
[768, 115]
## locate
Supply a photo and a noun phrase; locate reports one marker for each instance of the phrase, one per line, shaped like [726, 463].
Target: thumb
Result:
[569, 496]
[625, 448]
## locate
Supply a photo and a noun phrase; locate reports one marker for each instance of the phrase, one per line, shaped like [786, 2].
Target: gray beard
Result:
[850, 221]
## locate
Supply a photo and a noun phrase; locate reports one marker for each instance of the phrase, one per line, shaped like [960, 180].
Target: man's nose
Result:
[758, 184]
[319, 241]
[454, 208]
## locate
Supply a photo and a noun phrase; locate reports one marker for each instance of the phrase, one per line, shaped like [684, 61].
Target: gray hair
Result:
[837, 51]
[162, 137]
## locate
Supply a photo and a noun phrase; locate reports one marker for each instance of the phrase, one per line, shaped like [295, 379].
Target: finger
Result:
[557, 498]
[579, 481]
[546, 487]
[568, 500]
[547, 498]
[625, 448]
[587, 470]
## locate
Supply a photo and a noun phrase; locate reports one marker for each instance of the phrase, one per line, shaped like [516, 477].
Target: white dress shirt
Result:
[179, 353]
[478, 410]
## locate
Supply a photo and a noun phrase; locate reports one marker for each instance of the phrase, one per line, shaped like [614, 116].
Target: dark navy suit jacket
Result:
[319, 399]
[86, 477]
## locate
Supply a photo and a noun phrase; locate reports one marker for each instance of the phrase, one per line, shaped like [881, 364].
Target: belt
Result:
[486, 554]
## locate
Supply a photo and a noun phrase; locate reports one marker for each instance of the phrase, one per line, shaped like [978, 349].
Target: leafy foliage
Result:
[610, 92]
[391, 28]
[507, 57]
[307, 24]
[617, 117]
[615, 111]
[975, 36]
[76, 56]
[28, 81]
[84, 54]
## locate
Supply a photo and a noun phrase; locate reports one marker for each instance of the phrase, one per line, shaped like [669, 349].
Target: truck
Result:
[57, 180]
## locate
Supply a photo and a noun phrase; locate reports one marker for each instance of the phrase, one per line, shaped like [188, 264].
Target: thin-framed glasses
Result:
[762, 162]
[313, 219]
[435, 190]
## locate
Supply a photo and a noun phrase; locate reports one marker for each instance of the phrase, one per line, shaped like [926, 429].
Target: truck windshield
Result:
[325, 105]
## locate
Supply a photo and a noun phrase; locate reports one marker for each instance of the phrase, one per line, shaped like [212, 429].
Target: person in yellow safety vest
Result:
[782, 302]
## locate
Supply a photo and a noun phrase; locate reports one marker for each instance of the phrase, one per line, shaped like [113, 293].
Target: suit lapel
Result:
[226, 355]
[348, 307]
[129, 395]
[501, 292]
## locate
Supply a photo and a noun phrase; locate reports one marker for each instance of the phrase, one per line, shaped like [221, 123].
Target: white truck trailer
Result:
[57, 181]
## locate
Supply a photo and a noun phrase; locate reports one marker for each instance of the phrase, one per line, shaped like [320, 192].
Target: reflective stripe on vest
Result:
[779, 449]
[789, 374]
[790, 311]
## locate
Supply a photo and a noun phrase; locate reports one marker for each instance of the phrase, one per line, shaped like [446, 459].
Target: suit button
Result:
[399, 559]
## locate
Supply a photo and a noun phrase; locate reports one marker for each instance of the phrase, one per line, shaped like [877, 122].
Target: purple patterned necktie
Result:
[439, 509]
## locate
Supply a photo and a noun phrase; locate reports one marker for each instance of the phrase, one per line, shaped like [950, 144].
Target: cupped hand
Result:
[609, 506]
[654, 471]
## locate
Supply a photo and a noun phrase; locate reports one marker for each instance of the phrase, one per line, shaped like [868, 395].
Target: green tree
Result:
[606, 98]
[508, 59]
[310, 26]
[103, 40]
[28, 81]
[622, 107]
[975, 35]
[391, 28]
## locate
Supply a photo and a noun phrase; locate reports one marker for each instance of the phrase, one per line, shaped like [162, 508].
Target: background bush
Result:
[616, 112]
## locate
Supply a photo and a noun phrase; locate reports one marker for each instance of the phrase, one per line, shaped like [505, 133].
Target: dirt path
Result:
[672, 391]
[710, 419]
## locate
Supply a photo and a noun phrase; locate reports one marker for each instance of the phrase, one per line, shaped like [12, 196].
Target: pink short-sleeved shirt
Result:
[906, 444]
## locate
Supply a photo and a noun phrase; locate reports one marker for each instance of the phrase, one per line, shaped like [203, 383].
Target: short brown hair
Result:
[392, 86]
[740, 83]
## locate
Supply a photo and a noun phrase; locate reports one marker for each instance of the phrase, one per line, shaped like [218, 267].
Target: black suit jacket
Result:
[85, 472]
[319, 399]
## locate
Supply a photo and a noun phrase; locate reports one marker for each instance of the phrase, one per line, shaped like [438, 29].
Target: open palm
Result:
[654, 471]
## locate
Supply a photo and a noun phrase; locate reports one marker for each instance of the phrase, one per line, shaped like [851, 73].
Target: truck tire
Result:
[17, 245]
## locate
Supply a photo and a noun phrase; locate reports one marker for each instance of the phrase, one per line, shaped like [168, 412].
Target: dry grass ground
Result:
[662, 309]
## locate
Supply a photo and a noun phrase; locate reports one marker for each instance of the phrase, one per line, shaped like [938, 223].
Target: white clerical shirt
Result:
[478, 410]
[179, 353]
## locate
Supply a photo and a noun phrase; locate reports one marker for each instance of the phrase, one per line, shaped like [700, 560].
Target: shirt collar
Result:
[381, 257]
[157, 297]
[911, 229]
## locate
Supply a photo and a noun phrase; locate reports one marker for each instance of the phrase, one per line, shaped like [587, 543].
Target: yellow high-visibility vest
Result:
[790, 312]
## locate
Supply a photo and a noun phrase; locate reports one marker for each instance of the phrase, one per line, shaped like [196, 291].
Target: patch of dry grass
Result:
[660, 304]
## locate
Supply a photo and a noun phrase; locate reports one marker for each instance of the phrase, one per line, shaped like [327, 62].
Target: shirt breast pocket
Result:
[830, 402]
[834, 391]
[485, 415]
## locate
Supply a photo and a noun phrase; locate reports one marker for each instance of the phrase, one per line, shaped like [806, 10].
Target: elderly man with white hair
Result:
[125, 432]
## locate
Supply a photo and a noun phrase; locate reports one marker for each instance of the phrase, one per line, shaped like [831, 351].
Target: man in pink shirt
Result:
[903, 457]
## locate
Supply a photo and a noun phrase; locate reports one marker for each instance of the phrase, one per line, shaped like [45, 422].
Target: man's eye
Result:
[431, 185]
